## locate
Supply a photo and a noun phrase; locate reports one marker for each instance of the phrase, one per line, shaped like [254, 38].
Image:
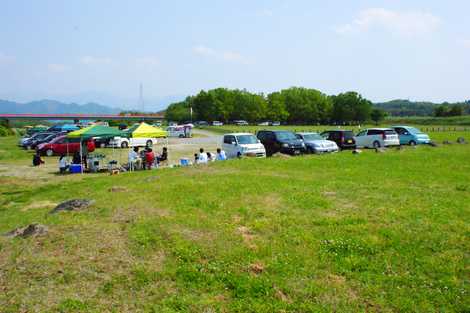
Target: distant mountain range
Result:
[416, 108]
[54, 107]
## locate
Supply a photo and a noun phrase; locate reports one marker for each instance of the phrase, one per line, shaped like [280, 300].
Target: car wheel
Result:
[412, 143]
[376, 144]
[124, 145]
[149, 143]
[49, 152]
[239, 155]
[181, 136]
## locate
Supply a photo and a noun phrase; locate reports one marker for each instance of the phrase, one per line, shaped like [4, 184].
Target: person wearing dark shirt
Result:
[37, 159]
[164, 156]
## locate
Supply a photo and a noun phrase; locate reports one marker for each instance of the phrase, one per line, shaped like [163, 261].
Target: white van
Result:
[377, 138]
[243, 144]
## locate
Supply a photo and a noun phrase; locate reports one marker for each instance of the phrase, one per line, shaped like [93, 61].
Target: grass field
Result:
[374, 232]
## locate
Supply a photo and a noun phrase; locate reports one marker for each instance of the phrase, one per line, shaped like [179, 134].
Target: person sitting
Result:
[163, 157]
[149, 158]
[63, 164]
[134, 159]
[76, 158]
[202, 158]
[37, 159]
[221, 156]
[210, 157]
[196, 158]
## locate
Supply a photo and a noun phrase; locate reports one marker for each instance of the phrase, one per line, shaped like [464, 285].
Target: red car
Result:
[62, 145]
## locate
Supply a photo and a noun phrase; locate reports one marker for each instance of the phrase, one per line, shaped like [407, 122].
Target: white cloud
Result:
[204, 51]
[91, 60]
[57, 68]
[229, 56]
[404, 23]
[147, 62]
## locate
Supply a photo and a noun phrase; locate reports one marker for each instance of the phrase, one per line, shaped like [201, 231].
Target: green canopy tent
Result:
[92, 132]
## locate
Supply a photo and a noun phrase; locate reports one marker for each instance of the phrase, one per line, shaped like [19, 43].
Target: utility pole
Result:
[141, 97]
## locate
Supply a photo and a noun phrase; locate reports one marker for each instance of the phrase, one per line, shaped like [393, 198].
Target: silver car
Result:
[317, 144]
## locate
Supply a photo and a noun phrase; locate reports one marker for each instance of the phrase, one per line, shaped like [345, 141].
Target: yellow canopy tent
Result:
[144, 130]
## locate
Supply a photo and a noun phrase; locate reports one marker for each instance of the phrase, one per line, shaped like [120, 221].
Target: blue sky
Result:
[92, 50]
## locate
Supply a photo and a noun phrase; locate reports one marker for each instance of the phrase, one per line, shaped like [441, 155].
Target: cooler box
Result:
[75, 168]
[184, 162]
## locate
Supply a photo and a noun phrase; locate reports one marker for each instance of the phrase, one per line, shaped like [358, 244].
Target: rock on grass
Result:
[30, 230]
[73, 205]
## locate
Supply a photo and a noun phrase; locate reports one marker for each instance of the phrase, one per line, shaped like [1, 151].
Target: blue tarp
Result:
[64, 128]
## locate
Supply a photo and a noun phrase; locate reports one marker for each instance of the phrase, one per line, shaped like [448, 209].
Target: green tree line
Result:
[295, 105]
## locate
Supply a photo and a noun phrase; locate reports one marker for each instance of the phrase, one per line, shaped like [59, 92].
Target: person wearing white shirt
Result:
[63, 164]
[221, 155]
[202, 159]
[134, 159]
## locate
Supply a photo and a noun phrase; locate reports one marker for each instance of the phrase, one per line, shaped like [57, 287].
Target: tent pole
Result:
[81, 156]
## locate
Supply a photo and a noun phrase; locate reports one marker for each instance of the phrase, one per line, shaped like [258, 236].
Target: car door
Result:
[404, 135]
[230, 146]
[361, 138]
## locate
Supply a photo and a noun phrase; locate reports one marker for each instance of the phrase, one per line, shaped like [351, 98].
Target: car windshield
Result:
[285, 135]
[310, 137]
[247, 139]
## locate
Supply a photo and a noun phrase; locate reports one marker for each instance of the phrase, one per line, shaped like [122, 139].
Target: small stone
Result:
[118, 189]
[461, 141]
[30, 230]
[446, 142]
[73, 205]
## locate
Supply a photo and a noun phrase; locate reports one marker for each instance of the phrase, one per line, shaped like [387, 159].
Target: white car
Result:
[217, 123]
[317, 144]
[123, 142]
[243, 144]
[264, 124]
[377, 138]
[176, 131]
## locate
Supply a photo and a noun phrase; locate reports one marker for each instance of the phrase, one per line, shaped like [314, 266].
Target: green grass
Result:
[372, 232]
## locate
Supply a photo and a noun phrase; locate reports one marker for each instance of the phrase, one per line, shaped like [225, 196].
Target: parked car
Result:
[282, 141]
[28, 143]
[63, 145]
[240, 123]
[276, 124]
[49, 138]
[176, 131]
[243, 144]
[411, 136]
[344, 138]
[377, 138]
[264, 124]
[317, 144]
[22, 142]
[102, 142]
[124, 142]
[217, 123]
[201, 123]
